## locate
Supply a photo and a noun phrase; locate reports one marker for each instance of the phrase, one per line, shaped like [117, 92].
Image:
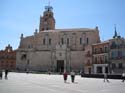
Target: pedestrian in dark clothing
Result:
[106, 77]
[72, 76]
[123, 77]
[1, 74]
[65, 75]
[6, 73]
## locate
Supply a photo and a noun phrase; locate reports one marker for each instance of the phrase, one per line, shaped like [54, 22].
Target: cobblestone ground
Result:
[41, 83]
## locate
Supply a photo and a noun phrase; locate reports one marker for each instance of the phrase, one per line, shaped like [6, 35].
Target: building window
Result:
[106, 49]
[47, 28]
[42, 28]
[95, 60]
[88, 62]
[101, 50]
[119, 54]
[44, 41]
[2, 63]
[80, 41]
[95, 51]
[11, 65]
[60, 54]
[29, 46]
[113, 45]
[113, 66]
[49, 41]
[114, 54]
[87, 40]
[23, 57]
[106, 59]
[123, 53]
[120, 66]
[62, 41]
[67, 41]
[99, 69]
[101, 61]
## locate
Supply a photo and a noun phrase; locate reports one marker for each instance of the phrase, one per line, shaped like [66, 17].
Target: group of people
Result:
[65, 76]
[6, 73]
[106, 77]
[72, 74]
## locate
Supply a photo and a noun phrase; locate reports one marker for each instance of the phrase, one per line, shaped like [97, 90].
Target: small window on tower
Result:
[50, 15]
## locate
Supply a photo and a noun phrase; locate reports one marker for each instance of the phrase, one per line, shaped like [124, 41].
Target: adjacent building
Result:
[117, 54]
[109, 56]
[8, 58]
[100, 57]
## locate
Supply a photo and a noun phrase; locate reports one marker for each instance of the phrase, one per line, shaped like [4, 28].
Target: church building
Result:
[51, 49]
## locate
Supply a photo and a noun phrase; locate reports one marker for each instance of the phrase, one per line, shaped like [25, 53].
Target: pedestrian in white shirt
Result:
[72, 76]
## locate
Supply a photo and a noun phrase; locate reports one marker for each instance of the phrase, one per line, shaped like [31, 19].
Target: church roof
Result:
[73, 29]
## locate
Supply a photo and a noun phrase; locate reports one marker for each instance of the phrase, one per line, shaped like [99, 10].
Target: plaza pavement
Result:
[43, 83]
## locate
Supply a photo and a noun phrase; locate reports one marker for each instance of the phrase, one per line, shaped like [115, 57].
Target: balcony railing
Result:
[117, 58]
[100, 52]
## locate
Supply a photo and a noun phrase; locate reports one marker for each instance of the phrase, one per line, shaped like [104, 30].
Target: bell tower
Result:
[47, 21]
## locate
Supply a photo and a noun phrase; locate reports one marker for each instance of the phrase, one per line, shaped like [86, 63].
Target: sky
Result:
[23, 16]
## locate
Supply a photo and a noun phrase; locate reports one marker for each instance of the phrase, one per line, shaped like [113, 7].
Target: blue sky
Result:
[22, 16]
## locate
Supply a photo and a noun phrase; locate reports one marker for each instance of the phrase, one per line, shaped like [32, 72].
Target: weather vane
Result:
[49, 3]
[48, 8]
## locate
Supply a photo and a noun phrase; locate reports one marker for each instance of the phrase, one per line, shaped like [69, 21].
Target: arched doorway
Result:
[60, 66]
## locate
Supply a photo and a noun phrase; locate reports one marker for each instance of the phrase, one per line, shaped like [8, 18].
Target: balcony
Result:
[100, 52]
[117, 58]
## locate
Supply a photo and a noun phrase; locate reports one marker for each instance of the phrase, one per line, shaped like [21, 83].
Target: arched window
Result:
[87, 40]
[67, 41]
[106, 49]
[49, 41]
[62, 41]
[44, 40]
[80, 41]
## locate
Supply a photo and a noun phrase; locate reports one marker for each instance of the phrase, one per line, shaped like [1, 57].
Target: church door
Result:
[60, 65]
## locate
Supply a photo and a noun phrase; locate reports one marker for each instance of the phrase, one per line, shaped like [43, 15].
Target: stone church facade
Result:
[55, 49]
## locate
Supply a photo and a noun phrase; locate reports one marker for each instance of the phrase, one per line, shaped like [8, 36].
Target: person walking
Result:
[72, 76]
[6, 73]
[123, 77]
[65, 75]
[106, 77]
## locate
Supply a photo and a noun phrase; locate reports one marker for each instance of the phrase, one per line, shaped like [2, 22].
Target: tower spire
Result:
[115, 35]
[115, 31]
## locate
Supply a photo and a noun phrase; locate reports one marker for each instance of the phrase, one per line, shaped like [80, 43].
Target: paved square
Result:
[41, 83]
